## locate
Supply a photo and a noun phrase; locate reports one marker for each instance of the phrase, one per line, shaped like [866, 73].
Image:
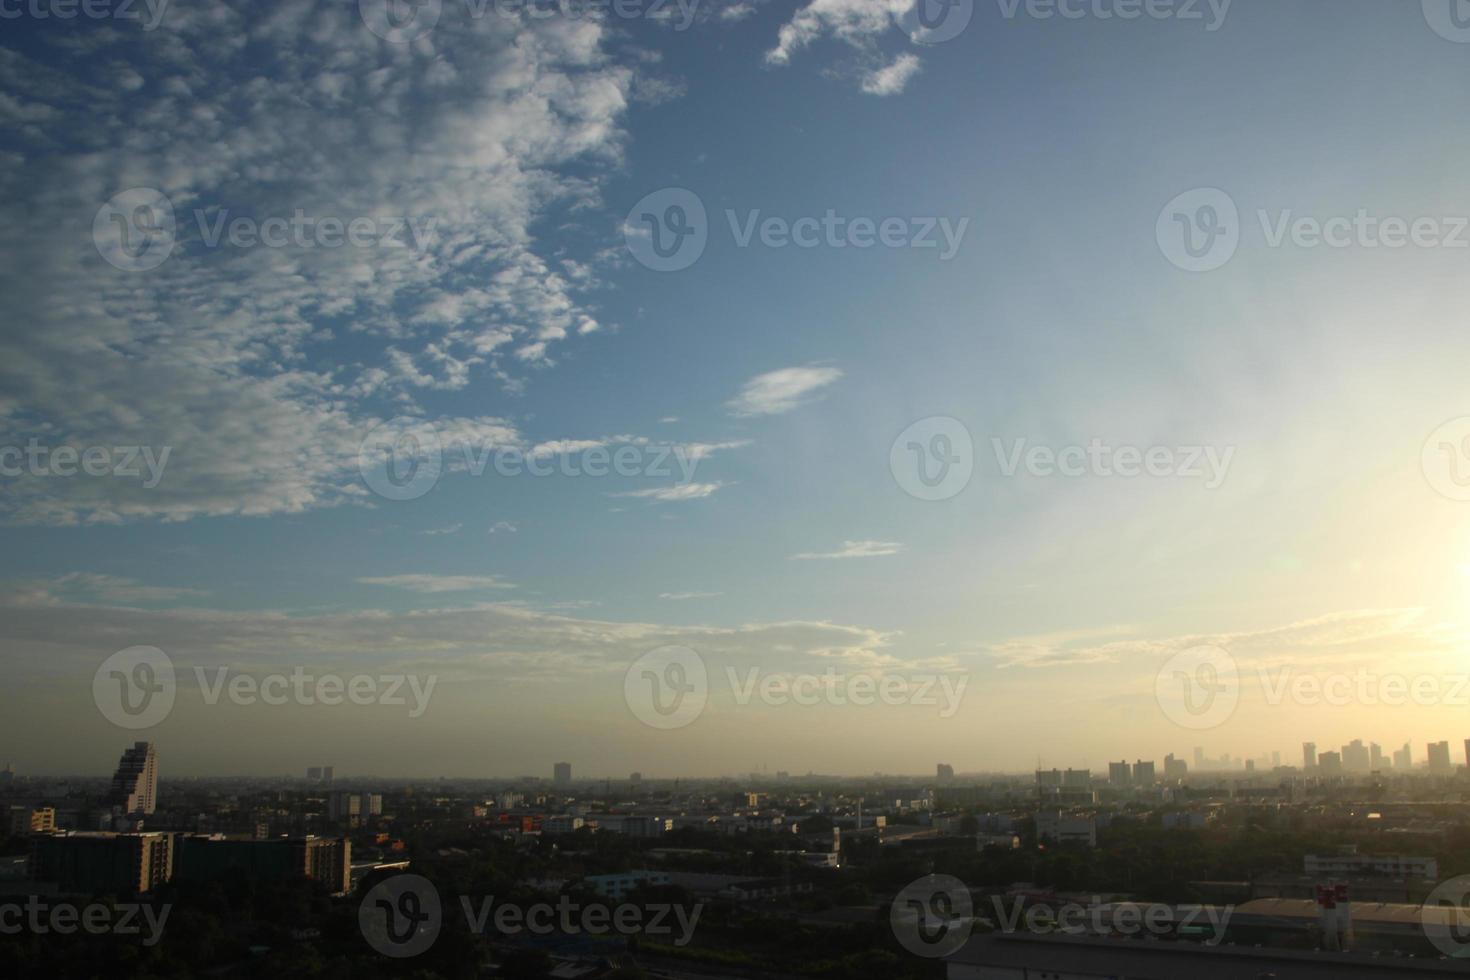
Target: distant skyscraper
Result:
[1356, 757]
[314, 773]
[1439, 758]
[562, 774]
[1403, 759]
[1175, 769]
[1143, 773]
[1199, 758]
[1330, 764]
[1120, 774]
[135, 784]
[1275, 760]
[327, 774]
[1309, 755]
[944, 773]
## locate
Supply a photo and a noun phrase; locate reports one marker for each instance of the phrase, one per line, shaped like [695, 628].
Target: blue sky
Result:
[528, 321]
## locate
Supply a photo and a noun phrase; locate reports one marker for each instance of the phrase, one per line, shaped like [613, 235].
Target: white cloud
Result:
[891, 79]
[262, 368]
[435, 531]
[781, 391]
[857, 23]
[1395, 631]
[682, 491]
[683, 596]
[431, 584]
[854, 549]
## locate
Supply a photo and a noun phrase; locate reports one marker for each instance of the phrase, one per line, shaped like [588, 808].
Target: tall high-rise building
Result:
[562, 774]
[944, 774]
[1356, 757]
[1175, 769]
[135, 784]
[1403, 759]
[1330, 763]
[1375, 757]
[1439, 758]
[1309, 755]
[1144, 774]
[1276, 760]
[1120, 774]
[353, 808]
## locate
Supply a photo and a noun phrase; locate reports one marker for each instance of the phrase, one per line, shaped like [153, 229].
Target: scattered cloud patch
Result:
[853, 549]
[433, 584]
[777, 392]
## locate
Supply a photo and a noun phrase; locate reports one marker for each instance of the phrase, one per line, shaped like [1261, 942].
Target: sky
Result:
[824, 324]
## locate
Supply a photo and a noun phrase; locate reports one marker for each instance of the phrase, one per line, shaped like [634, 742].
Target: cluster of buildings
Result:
[1355, 757]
